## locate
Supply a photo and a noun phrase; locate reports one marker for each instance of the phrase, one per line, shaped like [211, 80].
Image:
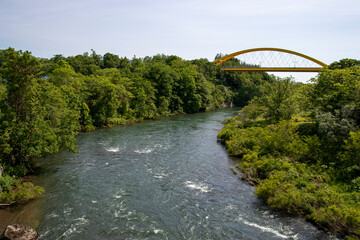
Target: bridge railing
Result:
[270, 69]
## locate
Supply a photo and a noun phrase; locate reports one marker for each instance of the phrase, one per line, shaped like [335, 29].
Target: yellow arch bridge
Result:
[270, 60]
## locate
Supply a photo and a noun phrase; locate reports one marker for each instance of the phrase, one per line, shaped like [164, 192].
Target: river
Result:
[159, 179]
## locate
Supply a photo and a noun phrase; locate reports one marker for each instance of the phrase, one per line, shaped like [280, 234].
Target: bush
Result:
[243, 140]
[350, 157]
[13, 191]
[227, 132]
[27, 191]
[338, 219]
[7, 183]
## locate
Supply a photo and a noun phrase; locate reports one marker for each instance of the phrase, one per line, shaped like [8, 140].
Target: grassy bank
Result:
[286, 160]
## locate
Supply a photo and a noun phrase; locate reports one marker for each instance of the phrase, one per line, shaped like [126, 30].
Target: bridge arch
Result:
[229, 56]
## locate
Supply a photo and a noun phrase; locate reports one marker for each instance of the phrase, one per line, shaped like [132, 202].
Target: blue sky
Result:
[328, 30]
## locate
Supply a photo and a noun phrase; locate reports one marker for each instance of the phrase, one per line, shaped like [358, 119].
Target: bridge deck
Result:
[270, 69]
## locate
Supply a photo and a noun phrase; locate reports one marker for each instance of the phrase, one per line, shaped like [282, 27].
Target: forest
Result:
[45, 103]
[300, 146]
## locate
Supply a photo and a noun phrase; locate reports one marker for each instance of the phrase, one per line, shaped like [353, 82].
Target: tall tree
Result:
[36, 120]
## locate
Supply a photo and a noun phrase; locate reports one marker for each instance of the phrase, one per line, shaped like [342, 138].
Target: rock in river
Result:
[19, 232]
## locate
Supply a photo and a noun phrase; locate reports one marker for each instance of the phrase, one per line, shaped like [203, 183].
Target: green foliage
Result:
[345, 63]
[230, 129]
[338, 92]
[104, 100]
[85, 64]
[277, 101]
[7, 183]
[343, 219]
[86, 119]
[335, 96]
[350, 159]
[334, 128]
[38, 119]
[27, 191]
[13, 191]
[287, 168]
[144, 99]
[111, 61]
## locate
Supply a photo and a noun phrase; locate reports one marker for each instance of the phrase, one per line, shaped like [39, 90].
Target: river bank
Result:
[277, 159]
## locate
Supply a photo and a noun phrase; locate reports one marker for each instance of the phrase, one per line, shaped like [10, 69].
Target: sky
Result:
[328, 30]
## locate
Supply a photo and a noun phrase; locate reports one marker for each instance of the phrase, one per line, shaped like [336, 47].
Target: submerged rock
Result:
[19, 232]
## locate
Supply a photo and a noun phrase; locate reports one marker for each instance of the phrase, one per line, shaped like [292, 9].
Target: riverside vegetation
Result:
[300, 144]
[45, 103]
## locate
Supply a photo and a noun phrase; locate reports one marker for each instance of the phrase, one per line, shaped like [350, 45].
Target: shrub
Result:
[7, 183]
[27, 191]
[13, 191]
[350, 157]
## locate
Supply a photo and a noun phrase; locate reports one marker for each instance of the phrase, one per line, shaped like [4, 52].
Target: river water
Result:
[159, 179]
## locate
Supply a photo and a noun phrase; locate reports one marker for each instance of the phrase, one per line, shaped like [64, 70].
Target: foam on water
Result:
[266, 229]
[198, 186]
[113, 149]
[75, 226]
[68, 232]
[67, 211]
[151, 149]
[81, 221]
[119, 194]
[146, 150]
[156, 231]
[160, 176]
[53, 215]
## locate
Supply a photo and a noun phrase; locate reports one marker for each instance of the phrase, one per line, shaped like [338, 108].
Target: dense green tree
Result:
[344, 63]
[162, 78]
[36, 119]
[143, 104]
[97, 58]
[350, 159]
[57, 57]
[84, 64]
[20, 107]
[137, 65]
[338, 92]
[125, 66]
[188, 85]
[104, 100]
[277, 101]
[19, 71]
[2, 57]
[111, 61]
[336, 106]
[208, 69]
